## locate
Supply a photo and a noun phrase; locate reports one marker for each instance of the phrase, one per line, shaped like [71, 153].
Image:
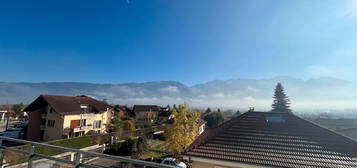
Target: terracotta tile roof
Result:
[67, 104]
[276, 140]
[146, 108]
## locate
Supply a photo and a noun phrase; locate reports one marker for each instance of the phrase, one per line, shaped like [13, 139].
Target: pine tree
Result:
[174, 107]
[208, 110]
[214, 119]
[115, 124]
[281, 102]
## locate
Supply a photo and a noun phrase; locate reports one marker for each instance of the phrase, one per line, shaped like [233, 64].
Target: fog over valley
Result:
[322, 94]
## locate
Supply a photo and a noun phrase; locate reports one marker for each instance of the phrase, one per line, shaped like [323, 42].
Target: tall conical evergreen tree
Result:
[208, 110]
[281, 102]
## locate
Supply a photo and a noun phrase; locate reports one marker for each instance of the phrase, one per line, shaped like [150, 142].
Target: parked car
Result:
[173, 162]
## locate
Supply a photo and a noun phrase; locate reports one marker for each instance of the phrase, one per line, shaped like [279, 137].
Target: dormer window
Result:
[85, 108]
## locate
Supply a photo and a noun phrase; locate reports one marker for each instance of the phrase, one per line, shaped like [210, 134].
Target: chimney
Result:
[251, 109]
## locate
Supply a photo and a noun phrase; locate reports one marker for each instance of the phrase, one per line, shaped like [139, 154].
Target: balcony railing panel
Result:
[77, 161]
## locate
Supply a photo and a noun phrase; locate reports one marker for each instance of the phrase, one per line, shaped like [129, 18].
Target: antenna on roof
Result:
[251, 109]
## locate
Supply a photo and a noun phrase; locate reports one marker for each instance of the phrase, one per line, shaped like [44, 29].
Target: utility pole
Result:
[8, 116]
[7, 123]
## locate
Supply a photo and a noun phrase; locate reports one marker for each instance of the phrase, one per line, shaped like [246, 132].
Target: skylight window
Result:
[274, 119]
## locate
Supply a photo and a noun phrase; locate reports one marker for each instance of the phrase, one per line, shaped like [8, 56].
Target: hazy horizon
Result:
[307, 95]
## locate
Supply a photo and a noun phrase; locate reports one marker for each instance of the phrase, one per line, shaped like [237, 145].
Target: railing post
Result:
[31, 155]
[77, 159]
[1, 154]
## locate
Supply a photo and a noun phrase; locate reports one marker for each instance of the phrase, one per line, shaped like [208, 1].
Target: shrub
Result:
[142, 145]
[129, 147]
[128, 125]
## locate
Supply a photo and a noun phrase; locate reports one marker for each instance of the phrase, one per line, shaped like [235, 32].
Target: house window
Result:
[50, 123]
[83, 122]
[75, 123]
[97, 124]
[43, 121]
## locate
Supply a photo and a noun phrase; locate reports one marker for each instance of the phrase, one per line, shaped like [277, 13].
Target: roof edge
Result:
[323, 127]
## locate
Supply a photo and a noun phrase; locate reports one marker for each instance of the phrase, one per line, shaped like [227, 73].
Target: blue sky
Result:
[188, 41]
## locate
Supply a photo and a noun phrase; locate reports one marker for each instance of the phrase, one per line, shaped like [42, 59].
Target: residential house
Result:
[54, 117]
[124, 112]
[268, 139]
[164, 115]
[202, 126]
[145, 114]
[3, 111]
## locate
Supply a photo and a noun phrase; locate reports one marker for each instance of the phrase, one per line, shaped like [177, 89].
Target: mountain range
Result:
[316, 93]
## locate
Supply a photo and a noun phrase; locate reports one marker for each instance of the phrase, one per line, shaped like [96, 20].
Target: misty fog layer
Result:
[318, 93]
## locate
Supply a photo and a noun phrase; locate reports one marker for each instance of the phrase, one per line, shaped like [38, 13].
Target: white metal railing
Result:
[77, 162]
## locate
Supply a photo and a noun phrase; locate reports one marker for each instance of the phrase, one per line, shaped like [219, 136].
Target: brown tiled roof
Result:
[67, 104]
[146, 108]
[276, 140]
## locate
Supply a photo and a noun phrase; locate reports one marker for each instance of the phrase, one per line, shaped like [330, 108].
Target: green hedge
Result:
[77, 143]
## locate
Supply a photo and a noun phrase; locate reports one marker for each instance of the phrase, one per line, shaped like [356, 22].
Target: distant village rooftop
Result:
[268, 139]
[146, 108]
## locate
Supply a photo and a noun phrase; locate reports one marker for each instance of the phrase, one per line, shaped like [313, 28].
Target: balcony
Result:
[78, 129]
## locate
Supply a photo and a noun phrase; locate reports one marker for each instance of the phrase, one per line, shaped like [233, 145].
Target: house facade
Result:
[124, 112]
[56, 117]
[271, 139]
[144, 113]
[164, 115]
[2, 114]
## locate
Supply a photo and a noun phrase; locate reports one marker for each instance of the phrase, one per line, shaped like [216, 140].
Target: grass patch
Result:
[156, 149]
[156, 145]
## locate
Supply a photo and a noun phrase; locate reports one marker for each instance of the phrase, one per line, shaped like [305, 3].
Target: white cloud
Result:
[125, 90]
[218, 95]
[104, 94]
[253, 89]
[249, 99]
[350, 8]
[171, 89]
[318, 71]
